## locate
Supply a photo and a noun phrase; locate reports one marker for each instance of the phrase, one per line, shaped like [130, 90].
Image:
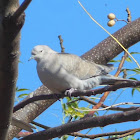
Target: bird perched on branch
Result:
[62, 71]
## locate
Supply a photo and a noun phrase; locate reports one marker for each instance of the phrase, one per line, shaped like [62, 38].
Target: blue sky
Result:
[46, 19]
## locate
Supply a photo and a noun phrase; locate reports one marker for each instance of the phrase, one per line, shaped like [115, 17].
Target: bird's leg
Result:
[69, 92]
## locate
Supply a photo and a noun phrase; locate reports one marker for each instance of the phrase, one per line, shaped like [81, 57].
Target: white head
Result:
[39, 50]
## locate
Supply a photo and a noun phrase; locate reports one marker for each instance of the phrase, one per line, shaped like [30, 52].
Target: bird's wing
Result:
[81, 68]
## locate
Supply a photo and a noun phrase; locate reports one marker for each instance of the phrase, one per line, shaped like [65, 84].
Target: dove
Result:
[63, 71]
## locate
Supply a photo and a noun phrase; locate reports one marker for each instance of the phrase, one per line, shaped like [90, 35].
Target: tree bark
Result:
[9, 57]
[109, 48]
[86, 123]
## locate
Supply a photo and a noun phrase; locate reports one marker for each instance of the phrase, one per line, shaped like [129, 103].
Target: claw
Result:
[69, 92]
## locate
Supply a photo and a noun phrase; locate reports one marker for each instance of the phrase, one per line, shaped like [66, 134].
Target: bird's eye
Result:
[41, 51]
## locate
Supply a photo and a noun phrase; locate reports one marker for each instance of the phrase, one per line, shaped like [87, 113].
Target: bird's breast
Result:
[51, 76]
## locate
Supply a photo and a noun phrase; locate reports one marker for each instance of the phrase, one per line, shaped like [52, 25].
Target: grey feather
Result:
[81, 68]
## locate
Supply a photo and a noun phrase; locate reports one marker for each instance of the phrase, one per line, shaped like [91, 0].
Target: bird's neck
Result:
[51, 51]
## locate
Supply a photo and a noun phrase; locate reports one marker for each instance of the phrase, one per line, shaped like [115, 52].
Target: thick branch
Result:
[25, 114]
[9, 53]
[84, 124]
[11, 21]
[109, 48]
[21, 9]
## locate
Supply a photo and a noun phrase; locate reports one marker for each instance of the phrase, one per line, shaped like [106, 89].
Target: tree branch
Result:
[106, 134]
[76, 94]
[25, 114]
[61, 44]
[132, 132]
[127, 36]
[11, 22]
[104, 106]
[9, 53]
[100, 121]
[21, 9]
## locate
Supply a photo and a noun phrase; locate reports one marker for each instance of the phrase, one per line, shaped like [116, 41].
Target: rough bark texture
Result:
[9, 54]
[90, 122]
[102, 53]
[109, 48]
[31, 111]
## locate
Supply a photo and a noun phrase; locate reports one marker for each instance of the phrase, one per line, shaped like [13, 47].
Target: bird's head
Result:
[39, 51]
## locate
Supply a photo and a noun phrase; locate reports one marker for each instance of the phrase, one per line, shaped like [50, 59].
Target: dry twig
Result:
[61, 44]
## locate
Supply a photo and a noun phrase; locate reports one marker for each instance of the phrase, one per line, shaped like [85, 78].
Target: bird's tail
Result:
[102, 80]
[111, 80]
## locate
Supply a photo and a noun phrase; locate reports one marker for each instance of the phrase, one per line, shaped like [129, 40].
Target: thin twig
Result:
[124, 73]
[108, 107]
[121, 64]
[129, 15]
[73, 101]
[61, 44]
[104, 106]
[122, 133]
[133, 131]
[121, 20]
[40, 125]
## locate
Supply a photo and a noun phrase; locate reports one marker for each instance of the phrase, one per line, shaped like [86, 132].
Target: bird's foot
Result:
[69, 92]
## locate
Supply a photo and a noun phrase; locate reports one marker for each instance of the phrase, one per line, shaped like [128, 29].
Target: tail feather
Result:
[111, 80]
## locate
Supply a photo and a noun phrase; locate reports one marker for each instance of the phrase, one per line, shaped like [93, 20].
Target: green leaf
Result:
[137, 70]
[114, 61]
[20, 62]
[70, 109]
[138, 89]
[84, 108]
[65, 137]
[134, 53]
[132, 78]
[128, 59]
[64, 106]
[79, 114]
[133, 91]
[22, 95]
[22, 89]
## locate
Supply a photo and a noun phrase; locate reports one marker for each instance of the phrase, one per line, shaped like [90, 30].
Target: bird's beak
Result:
[32, 57]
